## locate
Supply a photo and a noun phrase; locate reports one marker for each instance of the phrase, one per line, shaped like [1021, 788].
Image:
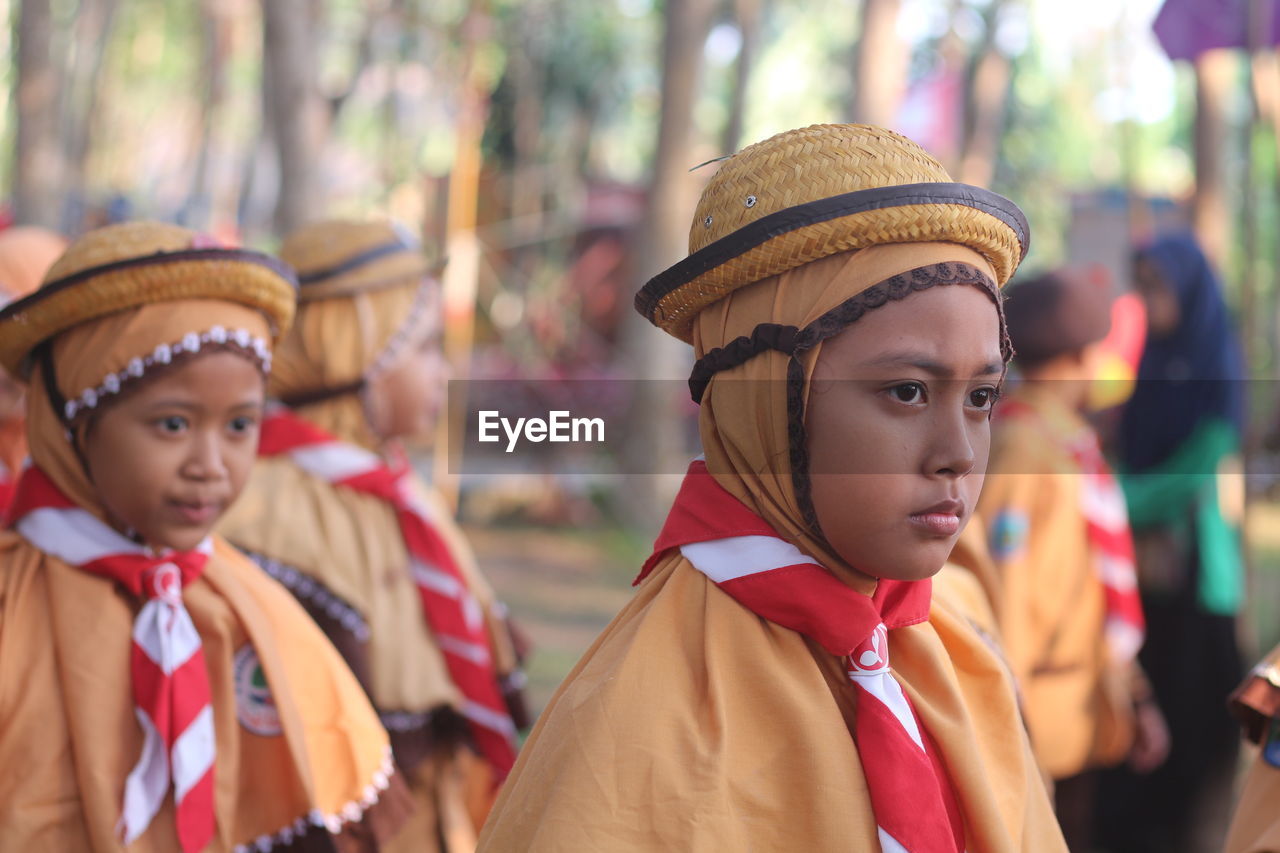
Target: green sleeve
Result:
[1163, 493]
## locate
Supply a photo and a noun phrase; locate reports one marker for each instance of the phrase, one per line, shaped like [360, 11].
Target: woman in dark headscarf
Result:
[1179, 443]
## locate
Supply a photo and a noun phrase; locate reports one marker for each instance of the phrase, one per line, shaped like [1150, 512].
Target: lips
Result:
[196, 511]
[942, 519]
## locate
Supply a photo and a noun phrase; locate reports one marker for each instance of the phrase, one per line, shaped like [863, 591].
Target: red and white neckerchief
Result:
[8, 486]
[911, 794]
[1110, 538]
[170, 682]
[1107, 520]
[456, 619]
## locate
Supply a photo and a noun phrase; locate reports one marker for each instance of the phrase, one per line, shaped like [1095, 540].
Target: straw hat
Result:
[805, 194]
[344, 257]
[138, 263]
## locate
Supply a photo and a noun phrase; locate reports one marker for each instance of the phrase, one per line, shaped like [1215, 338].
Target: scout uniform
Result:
[759, 693]
[335, 513]
[160, 700]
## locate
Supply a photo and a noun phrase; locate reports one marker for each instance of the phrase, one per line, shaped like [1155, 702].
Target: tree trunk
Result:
[1210, 214]
[82, 90]
[748, 14]
[295, 111]
[649, 354]
[37, 162]
[985, 100]
[880, 65]
[215, 37]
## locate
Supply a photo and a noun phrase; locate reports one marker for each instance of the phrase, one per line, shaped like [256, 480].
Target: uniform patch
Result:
[255, 706]
[1009, 534]
[1271, 744]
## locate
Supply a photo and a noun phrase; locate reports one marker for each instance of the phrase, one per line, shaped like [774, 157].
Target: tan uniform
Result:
[1049, 595]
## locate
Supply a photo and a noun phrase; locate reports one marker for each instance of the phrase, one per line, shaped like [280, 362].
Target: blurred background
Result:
[548, 150]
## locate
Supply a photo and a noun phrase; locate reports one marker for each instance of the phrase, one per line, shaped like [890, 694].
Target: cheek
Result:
[127, 469]
[238, 456]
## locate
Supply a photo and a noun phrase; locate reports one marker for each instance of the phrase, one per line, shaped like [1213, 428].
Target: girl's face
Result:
[405, 399]
[168, 459]
[899, 429]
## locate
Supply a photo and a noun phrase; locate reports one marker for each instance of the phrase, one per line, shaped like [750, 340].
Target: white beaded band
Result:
[163, 354]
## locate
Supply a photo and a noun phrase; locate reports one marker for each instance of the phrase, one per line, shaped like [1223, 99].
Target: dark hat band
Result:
[834, 207]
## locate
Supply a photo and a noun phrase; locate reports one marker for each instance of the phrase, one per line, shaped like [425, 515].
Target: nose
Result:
[205, 458]
[952, 450]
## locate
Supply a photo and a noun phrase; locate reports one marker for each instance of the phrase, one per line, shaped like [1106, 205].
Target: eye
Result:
[908, 392]
[242, 424]
[984, 398]
[171, 424]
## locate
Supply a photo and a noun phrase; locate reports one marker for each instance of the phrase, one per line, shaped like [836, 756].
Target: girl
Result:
[781, 680]
[157, 690]
[25, 253]
[336, 514]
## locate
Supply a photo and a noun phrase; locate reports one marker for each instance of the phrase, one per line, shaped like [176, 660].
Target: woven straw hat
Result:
[139, 263]
[344, 257]
[805, 194]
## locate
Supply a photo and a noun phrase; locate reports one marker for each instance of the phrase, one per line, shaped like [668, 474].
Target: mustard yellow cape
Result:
[693, 724]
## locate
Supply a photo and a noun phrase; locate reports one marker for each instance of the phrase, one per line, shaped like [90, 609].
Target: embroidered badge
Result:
[254, 705]
[1009, 534]
[1271, 744]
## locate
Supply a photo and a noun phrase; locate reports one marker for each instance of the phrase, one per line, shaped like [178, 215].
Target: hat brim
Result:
[234, 275]
[922, 212]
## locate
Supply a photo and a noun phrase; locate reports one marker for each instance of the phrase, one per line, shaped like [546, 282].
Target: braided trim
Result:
[308, 589]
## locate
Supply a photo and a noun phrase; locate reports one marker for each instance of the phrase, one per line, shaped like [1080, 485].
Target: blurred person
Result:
[1071, 617]
[1179, 441]
[334, 511]
[1255, 825]
[782, 679]
[157, 692]
[25, 253]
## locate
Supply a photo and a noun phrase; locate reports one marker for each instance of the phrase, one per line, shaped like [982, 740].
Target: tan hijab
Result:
[744, 425]
[335, 342]
[749, 746]
[66, 707]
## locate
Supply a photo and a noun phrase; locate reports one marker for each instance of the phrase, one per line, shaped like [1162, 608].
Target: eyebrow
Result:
[928, 365]
[192, 406]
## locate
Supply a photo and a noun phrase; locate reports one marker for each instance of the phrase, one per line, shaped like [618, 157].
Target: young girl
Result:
[157, 691]
[781, 680]
[335, 513]
[1072, 620]
[25, 253]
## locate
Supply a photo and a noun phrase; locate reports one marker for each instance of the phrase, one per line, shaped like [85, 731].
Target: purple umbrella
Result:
[1188, 28]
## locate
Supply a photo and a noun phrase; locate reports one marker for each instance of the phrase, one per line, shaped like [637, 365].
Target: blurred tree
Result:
[649, 354]
[880, 64]
[1215, 72]
[37, 160]
[986, 94]
[748, 15]
[296, 117]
